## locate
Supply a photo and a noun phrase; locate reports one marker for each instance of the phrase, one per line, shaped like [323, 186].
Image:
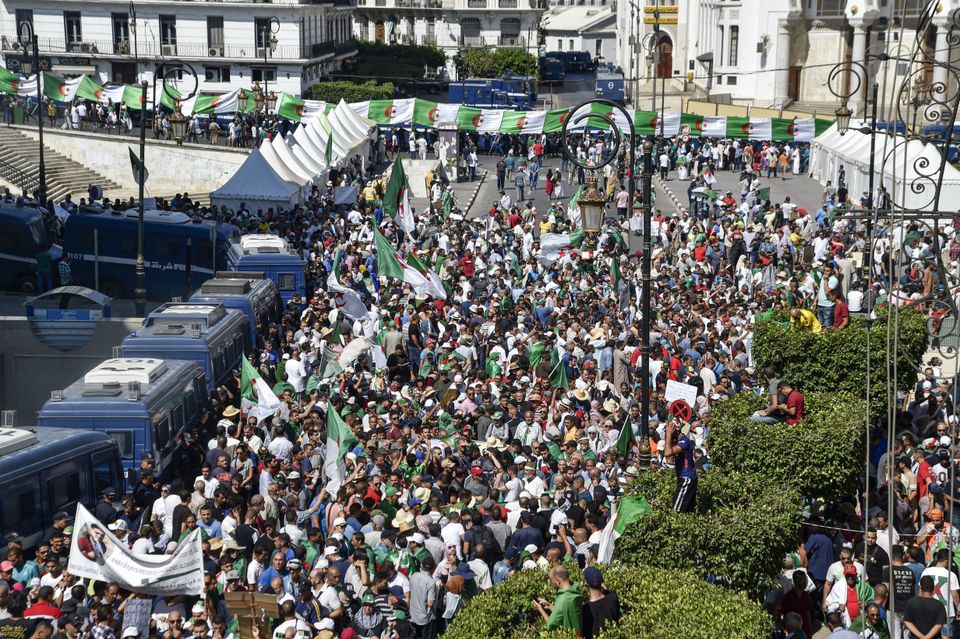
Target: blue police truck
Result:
[179, 252]
[143, 404]
[517, 92]
[252, 293]
[47, 470]
[23, 236]
[610, 85]
[272, 256]
[210, 335]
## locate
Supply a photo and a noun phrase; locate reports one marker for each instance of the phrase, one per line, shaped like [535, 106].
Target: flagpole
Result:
[140, 292]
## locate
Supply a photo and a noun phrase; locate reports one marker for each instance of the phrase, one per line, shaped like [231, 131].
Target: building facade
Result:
[451, 25]
[289, 44]
[653, 44]
[587, 28]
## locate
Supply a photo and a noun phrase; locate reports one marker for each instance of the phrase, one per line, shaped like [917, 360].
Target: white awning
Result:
[74, 69]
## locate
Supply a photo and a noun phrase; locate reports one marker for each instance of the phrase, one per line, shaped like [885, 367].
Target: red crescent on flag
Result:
[62, 90]
[792, 129]
[215, 102]
[609, 115]
[433, 115]
[522, 122]
[654, 122]
[746, 128]
[477, 120]
[98, 94]
[563, 117]
[15, 84]
[338, 300]
[699, 125]
[298, 110]
[390, 111]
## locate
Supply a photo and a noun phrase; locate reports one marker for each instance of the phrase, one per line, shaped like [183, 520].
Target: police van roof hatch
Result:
[126, 369]
[13, 439]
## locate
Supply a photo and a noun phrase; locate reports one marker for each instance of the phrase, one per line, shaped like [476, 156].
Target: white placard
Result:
[679, 390]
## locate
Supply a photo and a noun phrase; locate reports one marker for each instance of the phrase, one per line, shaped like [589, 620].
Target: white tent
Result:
[278, 165]
[907, 169]
[258, 185]
[279, 145]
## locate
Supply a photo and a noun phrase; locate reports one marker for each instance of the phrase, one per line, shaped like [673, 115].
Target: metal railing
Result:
[472, 41]
[508, 4]
[15, 176]
[476, 4]
[511, 41]
[428, 40]
[147, 49]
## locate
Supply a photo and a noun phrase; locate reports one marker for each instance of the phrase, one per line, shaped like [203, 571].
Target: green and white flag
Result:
[553, 246]
[390, 264]
[297, 110]
[429, 114]
[89, 90]
[324, 124]
[524, 122]
[137, 166]
[59, 89]
[625, 512]
[133, 97]
[345, 298]
[340, 440]
[396, 199]
[258, 398]
[391, 111]
[434, 286]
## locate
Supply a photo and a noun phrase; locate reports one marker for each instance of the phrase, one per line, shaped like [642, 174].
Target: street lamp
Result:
[592, 220]
[843, 118]
[28, 38]
[592, 203]
[269, 40]
[178, 124]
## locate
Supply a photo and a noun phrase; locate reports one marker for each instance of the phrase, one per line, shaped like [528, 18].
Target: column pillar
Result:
[781, 84]
[856, 77]
[942, 52]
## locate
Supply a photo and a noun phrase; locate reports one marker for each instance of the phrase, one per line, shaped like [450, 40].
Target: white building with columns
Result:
[779, 53]
[653, 42]
[451, 25]
[230, 43]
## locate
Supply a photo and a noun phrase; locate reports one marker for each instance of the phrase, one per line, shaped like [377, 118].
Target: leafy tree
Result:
[656, 604]
[835, 359]
[822, 457]
[743, 526]
[487, 63]
[351, 91]
[391, 62]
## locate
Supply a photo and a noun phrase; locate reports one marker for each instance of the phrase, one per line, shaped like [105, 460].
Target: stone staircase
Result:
[63, 174]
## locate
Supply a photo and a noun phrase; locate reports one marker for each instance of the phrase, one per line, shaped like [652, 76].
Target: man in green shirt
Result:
[567, 609]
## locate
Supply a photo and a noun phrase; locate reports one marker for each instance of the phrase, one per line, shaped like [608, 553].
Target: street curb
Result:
[473, 196]
[681, 209]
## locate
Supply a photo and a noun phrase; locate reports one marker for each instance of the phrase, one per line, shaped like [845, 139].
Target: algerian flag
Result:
[752, 128]
[390, 264]
[575, 199]
[490, 120]
[340, 439]
[346, 299]
[208, 104]
[133, 97]
[763, 194]
[428, 114]
[553, 122]
[714, 126]
[625, 512]
[626, 440]
[558, 377]
[60, 90]
[14, 85]
[396, 200]
[391, 111]
[616, 277]
[493, 365]
[522, 121]
[89, 90]
[137, 167]
[168, 94]
[297, 110]
[469, 118]
[328, 145]
[801, 129]
[553, 246]
[258, 399]
[113, 94]
[536, 354]
[434, 286]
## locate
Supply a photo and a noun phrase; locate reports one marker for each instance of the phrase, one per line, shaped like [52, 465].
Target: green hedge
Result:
[389, 61]
[351, 91]
[743, 526]
[656, 603]
[836, 359]
[490, 63]
[822, 457]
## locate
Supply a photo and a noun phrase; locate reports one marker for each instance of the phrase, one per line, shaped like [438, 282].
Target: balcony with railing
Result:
[511, 41]
[428, 40]
[152, 49]
[402, 4]
[472, 41]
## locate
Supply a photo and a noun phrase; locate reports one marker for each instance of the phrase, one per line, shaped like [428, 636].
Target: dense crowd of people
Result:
[486, 428]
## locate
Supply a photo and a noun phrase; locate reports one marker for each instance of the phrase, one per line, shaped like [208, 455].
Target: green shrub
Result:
[351, 91]
[490, 63]
[388, 61]
[656, 604]
[743, 526]
[822, 457]
[836, 359]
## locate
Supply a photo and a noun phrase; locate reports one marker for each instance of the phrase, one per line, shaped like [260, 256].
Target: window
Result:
[598, 49]
[731, 79]
[24, 15]
[161, 434]
[170, 74]
[559, 44]
[168, 30]
[64, 489]
[124, 439]
[571, 44]
[733, 56]
[14, 239]
[165, 250]
[176, 417]
[263, 32]
[190, 403]
[256, 74]
[20, 503]
[215, 34]
[121, 32]
[286, 281]
[104, 472]
[71, 26]
[217, 74]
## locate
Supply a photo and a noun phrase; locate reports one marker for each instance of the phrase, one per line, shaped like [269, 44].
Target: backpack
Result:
[483, 535]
